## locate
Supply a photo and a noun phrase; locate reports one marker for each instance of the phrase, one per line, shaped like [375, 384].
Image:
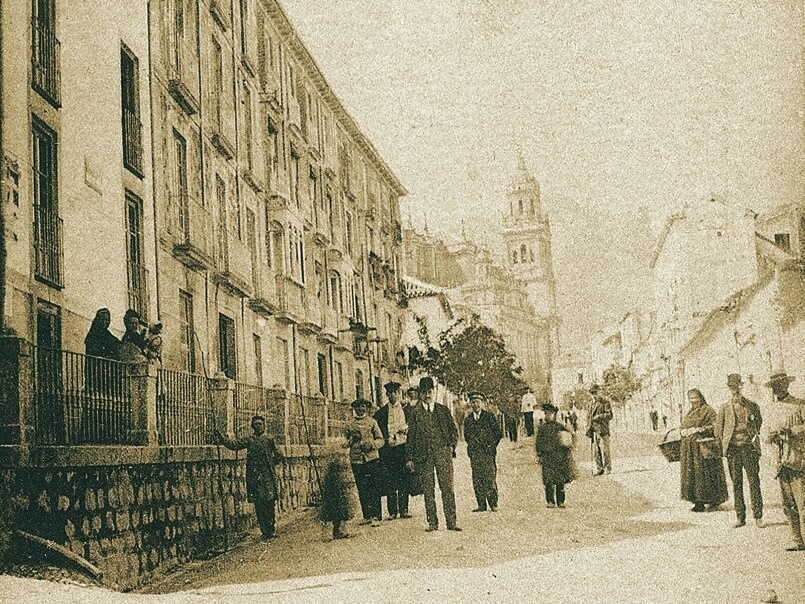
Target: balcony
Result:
[222, 144]
[182, 94]
[194, 248]
[46, 65]
[312, 320]
[219, 13]
[132, 142]
[138, 289]
[264, 297]
[330, 325]
[290, 295]
[48, 247]
[235, 267]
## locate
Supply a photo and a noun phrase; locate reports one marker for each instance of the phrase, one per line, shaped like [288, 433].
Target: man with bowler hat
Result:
[787, 432]
[482, 433]
[393, 421]
[432, 437]
[737, 428]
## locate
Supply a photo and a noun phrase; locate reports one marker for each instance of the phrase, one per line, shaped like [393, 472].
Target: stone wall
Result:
[134, 512]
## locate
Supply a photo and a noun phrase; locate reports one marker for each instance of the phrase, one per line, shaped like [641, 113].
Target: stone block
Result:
[64, 503]
[123, 522]
[172, 514]
[135, 518]
[97, 523]
[69, 529]
[85, 527]
[100, 497]
[76, 546]
[44, 501]
[110, 521]
[112, 497]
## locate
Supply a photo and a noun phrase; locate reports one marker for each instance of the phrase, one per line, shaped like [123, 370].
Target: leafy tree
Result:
[578, 397]
[472, 356]
[619, 384]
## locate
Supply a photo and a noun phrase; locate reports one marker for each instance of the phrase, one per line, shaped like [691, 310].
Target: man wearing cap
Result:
[393, 421]
[737, 428]
[600, 416]
[482, 433]
[787, 432]
[432, 438]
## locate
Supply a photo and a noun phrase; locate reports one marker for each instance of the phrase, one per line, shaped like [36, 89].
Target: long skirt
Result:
[702, 480]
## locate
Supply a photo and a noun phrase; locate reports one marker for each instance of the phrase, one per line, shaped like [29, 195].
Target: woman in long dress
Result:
[703, 481]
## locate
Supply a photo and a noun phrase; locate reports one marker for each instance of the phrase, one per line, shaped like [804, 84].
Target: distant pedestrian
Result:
[527, 405]
[336, 486]
[598, 431]
[483, 434]
[262, 457]
[432, 437]
[787, 432]
[737, 428]
[574, 419]
[703, 482]
[365, 439]
[511, 422]
[654, 418]
[553, 445]
[392, 418]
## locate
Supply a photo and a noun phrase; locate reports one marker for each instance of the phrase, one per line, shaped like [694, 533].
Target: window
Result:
[251, 243]
[274, 138]
[338, 376]
[313, 186]
[130, 102]
[177, 37]
[359, 385]
[305, 382]
[187, 331]
[531, 255]
[180, 182]
[295, 177]
[227, 348]
[348, 236]
[335, 291]
[522, 253]
[135, 264]
[217, 84]
[783, 240]
[258, 359]
[286, 362]
[268, 237]
[514, 256]
[47, 223]
[321, 362]
[45, 52]
[223, 240]
[247, 126]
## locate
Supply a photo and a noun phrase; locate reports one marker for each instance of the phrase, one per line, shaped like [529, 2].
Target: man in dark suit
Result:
[482, 433]
[393, 421]
[737, 428]
[432, 437]
[598, 431]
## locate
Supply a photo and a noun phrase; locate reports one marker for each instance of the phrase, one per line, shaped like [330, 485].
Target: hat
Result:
[360, 402]
[550, 408]
[392, 387]
[475, 394]
[734, 379]
[780, 376]
[426, 383]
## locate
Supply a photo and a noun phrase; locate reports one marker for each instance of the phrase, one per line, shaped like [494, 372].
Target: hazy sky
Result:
[614, 104]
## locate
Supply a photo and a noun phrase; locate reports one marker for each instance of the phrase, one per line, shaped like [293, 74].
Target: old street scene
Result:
[437, 301]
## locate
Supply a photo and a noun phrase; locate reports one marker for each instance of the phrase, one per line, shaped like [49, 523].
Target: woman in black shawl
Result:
[703, 480]
[100, 342]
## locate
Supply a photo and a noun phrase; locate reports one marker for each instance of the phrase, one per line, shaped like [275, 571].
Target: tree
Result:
[472, 356]
[619, 384]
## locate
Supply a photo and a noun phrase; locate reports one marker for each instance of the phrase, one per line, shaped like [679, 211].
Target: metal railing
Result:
[255, 400]
[132, 142]
[48, 246]
[46, 64]
[184, 409]
[339, 413]
[308, 417]
[80, 399]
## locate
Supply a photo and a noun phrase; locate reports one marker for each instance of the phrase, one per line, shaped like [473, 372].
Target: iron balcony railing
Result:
[132, 142]
[80, 399]
[48, 246]
[46, 63]
[184, 409]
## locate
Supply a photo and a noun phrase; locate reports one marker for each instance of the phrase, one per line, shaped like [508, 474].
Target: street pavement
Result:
[625, 537]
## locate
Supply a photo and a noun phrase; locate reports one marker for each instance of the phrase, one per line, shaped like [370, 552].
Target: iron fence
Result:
[184, 409]
[307, 418]
[340, 412]
[255, 400]
[80, 399]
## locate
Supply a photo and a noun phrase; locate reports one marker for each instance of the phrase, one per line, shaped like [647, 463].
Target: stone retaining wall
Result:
[137, 511]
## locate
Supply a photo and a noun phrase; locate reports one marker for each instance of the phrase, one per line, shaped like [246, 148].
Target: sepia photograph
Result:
[483, 301]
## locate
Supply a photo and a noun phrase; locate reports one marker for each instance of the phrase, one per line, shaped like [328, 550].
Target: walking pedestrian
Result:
[598, 431]
[431, 446]
[553, 445]
[392, 418]
[527, 407]
[482, 434]
[364, 439]
[262, 457]
[737, 428]
[787, 432]
[703, 482]
[511, 422]
[654, 418]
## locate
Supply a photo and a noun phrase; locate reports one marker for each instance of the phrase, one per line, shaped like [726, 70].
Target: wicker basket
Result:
[670, 448]
[710, 448]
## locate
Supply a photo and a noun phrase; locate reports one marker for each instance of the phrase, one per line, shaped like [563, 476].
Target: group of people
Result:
[139, 340]
[734, 432]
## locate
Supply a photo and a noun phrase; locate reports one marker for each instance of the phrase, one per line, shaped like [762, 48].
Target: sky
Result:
[623, 110]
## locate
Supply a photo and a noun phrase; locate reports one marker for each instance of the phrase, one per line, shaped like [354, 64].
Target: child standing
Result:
[553, 452]
[336, 486]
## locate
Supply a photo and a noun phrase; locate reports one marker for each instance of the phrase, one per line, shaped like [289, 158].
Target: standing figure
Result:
[133, 344]
[432, 438]
[511, 422]
[737, 428]
[654, 418]
[364, 439]
[336, 504]
[553, 454]
[482, 434]
[100, 342]
[787, 432]
[527, 407]
[703, 482]
[262, 456]
[600, 416]
[392, 419]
